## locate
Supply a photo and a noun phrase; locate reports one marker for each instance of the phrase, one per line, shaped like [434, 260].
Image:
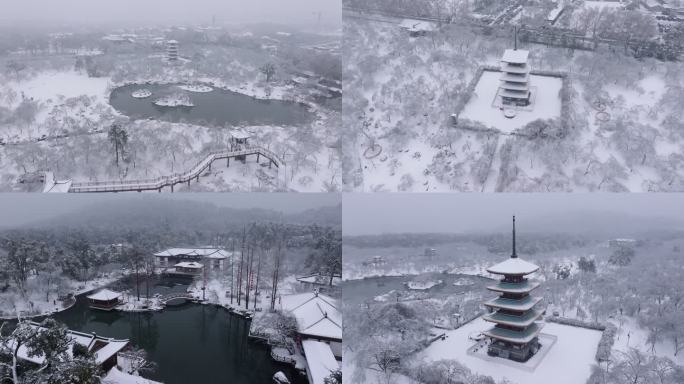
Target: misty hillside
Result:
[602, 223]
[181, 214]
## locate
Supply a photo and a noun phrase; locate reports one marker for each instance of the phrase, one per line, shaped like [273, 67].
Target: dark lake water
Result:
[217, 108]
[190, 343]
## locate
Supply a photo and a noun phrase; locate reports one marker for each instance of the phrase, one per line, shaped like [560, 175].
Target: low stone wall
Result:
[576, 323]
[528, 131]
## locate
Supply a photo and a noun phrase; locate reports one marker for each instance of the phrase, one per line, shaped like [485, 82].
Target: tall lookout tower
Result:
[172, 50]
[515, 80]
[515, 332]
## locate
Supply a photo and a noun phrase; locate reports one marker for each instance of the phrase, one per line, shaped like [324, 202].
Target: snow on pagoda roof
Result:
[524, 304]
[316, 314]
[514, 336]
[212, 253]
[521, 321]
[104, 295]
[189, 264]
[172, 41]
[515, 56]
[513, 266]
[320, 360]
[524, 287]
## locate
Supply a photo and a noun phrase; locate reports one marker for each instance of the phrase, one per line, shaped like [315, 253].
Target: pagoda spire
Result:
[514, 255]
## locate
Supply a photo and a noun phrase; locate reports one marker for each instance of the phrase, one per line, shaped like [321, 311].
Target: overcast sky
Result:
[171, 11]
[23, 208]
[465, 212]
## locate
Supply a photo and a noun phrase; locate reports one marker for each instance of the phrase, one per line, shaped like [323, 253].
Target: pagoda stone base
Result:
[546, 341]
[515, 352]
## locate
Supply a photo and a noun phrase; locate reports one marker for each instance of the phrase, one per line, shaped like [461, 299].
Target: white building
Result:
[213, 258]
[515, 87]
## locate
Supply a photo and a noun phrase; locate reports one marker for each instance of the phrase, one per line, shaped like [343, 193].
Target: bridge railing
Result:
[163, 181]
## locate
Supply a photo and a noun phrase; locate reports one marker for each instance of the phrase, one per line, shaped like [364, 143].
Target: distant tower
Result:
[515, 87]
[172, 50]
[515, 332]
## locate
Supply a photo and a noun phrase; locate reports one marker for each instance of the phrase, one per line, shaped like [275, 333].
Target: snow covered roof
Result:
[212, 253]
[513, 266]
[115, 376]
[172, 41]
[320, 360]
[102, 348]
[317, 315]
[53, 185]
[240, 134]
[515, 56]
[104, 295]
[189, 264]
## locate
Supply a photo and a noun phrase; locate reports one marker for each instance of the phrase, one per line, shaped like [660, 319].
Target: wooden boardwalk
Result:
[170, 181]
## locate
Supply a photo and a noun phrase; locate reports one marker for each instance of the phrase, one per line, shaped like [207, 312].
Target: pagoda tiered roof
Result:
[515, 56]
[524, 304]
[521, 69]
[516, 86]
[515, 78]
[518, 337]
[514, 94]
[513, 267]
[522, 287]
[522, 321]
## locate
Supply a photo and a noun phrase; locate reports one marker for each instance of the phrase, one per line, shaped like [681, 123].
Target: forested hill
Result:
[180, 215]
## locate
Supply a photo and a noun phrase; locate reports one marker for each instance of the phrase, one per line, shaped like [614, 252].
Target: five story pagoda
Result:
[515, 333]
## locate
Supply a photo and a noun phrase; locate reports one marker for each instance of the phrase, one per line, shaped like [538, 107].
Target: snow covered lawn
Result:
[481, 107]
[51, 85]
[568, 361]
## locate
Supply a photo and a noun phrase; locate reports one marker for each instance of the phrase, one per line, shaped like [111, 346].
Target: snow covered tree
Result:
[118, 136]
[268, 70]
[334, 378]
[326, 257]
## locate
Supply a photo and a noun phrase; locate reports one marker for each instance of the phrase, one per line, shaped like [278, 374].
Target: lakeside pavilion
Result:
[515, 332]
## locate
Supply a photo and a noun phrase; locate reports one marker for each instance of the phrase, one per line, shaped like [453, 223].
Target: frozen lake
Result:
[216, 108]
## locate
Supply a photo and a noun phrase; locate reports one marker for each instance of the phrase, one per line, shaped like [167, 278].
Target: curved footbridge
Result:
[170, 181]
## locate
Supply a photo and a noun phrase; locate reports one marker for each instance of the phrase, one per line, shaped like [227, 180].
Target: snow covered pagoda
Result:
[515, 332]
[515, 87]
[172, 50]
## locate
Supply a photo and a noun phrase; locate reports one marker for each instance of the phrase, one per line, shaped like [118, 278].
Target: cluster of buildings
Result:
[191, 261]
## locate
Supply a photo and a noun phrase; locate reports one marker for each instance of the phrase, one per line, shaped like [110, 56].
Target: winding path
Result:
[176, 178]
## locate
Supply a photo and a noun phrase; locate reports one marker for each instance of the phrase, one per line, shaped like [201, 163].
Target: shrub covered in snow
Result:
[606, 343]
[576, 323]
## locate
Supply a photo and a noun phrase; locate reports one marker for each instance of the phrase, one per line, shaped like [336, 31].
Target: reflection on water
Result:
[217, 108]
[190, 343]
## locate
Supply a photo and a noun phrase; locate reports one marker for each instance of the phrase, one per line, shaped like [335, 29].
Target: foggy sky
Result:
[464, 212]
[22, 208]
[172, 11]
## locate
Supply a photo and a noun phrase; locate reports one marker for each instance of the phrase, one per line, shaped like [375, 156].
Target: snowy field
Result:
[621, 131]
[568, 361]
[482, 106]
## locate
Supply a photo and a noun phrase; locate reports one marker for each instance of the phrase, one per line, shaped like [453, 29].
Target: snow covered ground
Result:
[402, 91]
[483, 108]
[65, 117]
[568, 361]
